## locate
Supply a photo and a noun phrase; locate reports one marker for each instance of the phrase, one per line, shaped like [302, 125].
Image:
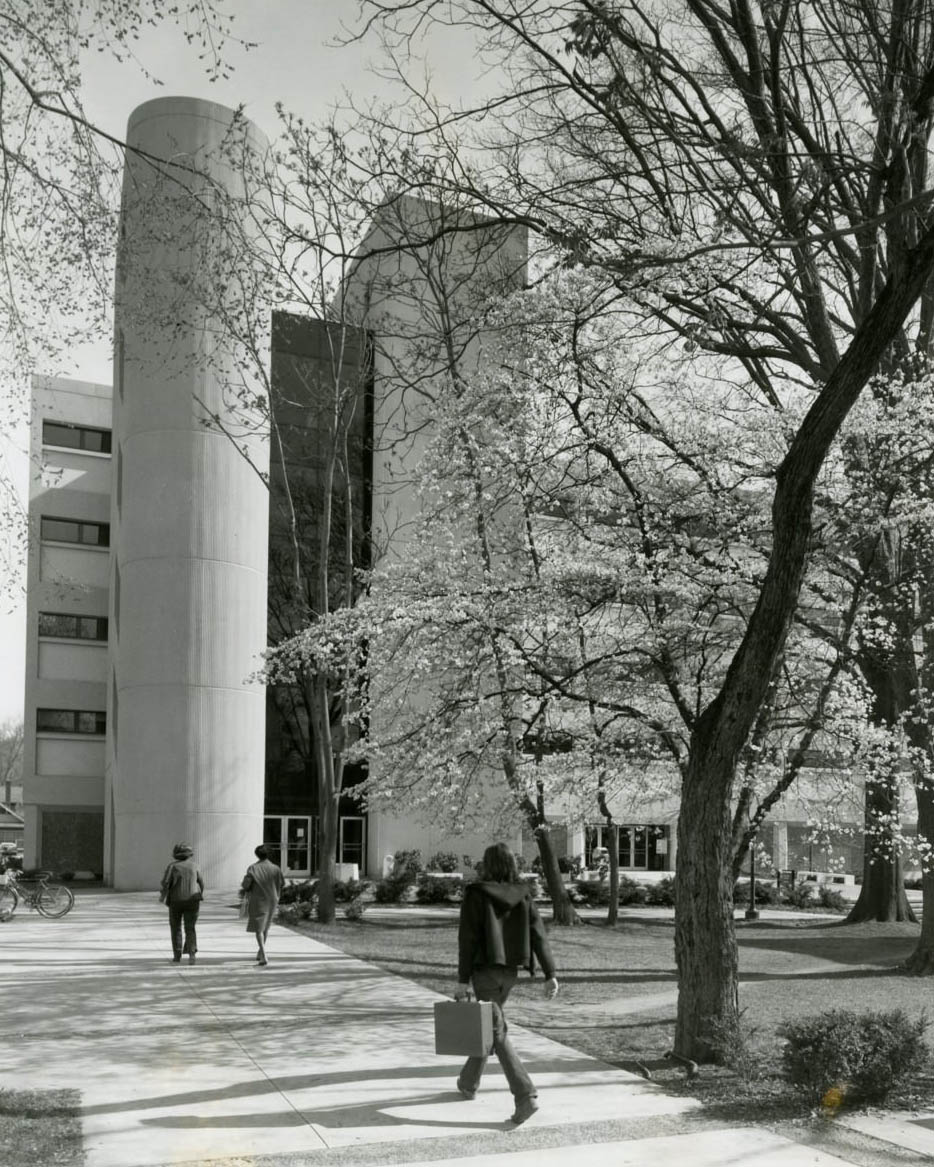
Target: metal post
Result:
[751, 912]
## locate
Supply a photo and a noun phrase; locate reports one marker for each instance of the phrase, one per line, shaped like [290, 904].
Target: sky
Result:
[297, 62]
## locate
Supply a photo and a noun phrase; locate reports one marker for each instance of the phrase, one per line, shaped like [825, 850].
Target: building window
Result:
[76, 437]
[641, 848]
[72, 627]
[75, 531]
[71, 721]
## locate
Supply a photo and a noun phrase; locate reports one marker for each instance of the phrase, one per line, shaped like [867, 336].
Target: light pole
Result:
[752, 912]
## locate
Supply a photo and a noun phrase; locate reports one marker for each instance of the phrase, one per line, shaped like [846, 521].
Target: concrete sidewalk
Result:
[316, 1059]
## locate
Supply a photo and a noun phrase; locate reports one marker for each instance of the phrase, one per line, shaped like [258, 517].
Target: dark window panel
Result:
[76, 437]
[75, 531]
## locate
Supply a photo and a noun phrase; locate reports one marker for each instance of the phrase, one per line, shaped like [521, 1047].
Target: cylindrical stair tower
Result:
[186, 732]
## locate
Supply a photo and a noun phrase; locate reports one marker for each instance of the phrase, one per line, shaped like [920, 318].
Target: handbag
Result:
[464, 1028]
[244, 906]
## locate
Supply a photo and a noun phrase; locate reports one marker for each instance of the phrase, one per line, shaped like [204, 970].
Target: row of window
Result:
[85, 721]
[74, 531]
[72, 627]
[76, 437]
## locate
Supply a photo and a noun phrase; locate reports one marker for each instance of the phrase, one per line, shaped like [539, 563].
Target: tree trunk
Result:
[705, 937]
[562, 910]
[882, 897]
[612, 914]
[921, 961]
[327, 853]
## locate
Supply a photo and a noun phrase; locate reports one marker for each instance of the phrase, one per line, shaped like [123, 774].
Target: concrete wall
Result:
[190, 517]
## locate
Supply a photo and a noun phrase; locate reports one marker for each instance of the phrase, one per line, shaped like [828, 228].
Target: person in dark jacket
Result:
[500, 931]
[181, 890]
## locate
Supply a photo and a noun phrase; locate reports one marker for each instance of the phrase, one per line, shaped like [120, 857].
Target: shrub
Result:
[800, 896]
[661, 894]
[828, 897]
[443, 861]
[354, 910]
[592, 892]
[294, 912]
[303, 892]
[912, 883]
[406, 865]
[534, 886]
[766, 893]
[432, 889]
[631, 892]
[733, 1042]
[347, 890]
[859, 1057]
[570, 865]
[390, 890]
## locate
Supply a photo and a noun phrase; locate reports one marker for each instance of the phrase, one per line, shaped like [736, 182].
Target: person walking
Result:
[182, 890]
[262, 885]
[500, 931]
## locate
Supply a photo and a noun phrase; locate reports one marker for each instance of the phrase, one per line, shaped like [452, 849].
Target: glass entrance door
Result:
[291, 843]
[298, 849]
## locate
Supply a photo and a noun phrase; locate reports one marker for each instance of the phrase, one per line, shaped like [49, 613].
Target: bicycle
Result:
[49, 899]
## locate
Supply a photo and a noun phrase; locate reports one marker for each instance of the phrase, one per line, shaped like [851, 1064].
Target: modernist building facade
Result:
[159, 557]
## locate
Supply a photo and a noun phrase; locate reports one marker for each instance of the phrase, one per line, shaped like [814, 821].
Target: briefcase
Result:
[463, 1027]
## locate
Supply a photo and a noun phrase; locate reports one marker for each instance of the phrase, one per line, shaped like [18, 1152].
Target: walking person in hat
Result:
[181, 890]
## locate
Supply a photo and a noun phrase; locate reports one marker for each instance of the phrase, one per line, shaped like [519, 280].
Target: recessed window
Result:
[76, 437]
[72, 627]
[71, 721]
[75, 531]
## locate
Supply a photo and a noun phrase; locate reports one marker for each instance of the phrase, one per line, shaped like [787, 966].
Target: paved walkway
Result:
[317, 1059]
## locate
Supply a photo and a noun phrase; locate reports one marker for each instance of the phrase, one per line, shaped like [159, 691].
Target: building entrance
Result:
[292, 843]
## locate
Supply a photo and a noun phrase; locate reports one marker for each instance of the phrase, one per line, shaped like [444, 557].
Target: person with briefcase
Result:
[500, 932]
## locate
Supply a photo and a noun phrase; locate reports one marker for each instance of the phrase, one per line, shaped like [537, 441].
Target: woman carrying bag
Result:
[500, 931]
[262, 885]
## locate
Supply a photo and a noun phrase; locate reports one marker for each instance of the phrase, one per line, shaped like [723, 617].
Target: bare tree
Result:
[11, 758]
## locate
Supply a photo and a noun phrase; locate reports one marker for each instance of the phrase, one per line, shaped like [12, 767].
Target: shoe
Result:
[176, 960]
[470, 1095]
[525, 1108]
[191, 958]
[261, 963]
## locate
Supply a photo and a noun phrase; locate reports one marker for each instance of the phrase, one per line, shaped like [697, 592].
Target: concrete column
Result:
[190, 514]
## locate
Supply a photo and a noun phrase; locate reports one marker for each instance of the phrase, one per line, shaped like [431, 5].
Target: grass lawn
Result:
[41, 1127]
[618, 987]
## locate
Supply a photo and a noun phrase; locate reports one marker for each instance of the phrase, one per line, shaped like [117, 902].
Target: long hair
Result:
[499, 864]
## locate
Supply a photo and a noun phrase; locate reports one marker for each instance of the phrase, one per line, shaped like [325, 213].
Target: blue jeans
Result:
[187, 913]
[495, 984]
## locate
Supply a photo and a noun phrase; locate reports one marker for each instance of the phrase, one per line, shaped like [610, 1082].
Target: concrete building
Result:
[68, 572]
[189, 522]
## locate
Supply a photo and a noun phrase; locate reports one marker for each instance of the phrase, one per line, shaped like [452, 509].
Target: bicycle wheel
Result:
[55, 900]
[8, 901]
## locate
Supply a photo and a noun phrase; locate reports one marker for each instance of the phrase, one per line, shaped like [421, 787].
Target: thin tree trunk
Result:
[612, 914]
[921, 961]
[561, 907]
